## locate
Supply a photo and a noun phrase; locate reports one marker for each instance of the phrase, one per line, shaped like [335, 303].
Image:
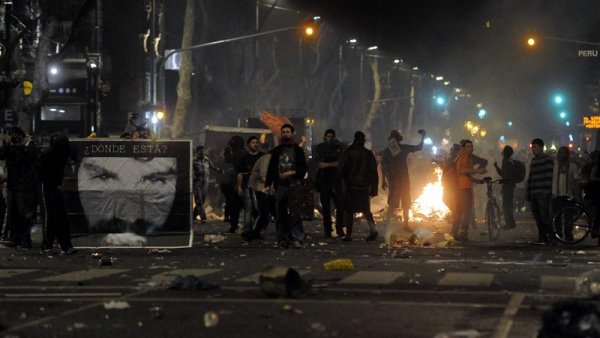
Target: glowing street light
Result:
[482, 113]
[531, 41]
[440, 100]
[563, 115]
[510, 123]
[558, 99]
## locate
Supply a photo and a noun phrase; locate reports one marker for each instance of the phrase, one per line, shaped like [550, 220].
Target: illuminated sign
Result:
[592, 122]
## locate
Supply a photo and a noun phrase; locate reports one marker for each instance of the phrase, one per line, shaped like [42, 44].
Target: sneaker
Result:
[508, 227]
[283, 245]
[47, 251]
[347, 239]
[298, 245]
[232, 230]
[247, 236]
[70, 251]
[23, 247]
[462, 237]
[372, 236]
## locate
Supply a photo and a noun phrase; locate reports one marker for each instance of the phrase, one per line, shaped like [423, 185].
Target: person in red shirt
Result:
[464, 170]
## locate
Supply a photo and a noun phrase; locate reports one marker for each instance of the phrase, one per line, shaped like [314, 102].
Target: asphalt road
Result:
[478, 289]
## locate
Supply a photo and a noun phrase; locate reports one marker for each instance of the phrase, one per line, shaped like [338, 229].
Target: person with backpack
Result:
[511, 172]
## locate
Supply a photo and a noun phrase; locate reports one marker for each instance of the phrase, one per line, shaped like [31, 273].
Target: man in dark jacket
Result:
[507, 173]
[52, 169]
[328, 155]
[287, 168]
[359, 175]
[22, 158]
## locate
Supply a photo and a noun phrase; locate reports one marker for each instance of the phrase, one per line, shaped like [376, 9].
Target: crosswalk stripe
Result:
[254, 278]
[82, 275]
[372, 277]
[466, 279]
[557, 283]
[7, 273]
[168, 276]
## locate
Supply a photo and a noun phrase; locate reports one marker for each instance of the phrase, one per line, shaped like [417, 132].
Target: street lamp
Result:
[305, 29]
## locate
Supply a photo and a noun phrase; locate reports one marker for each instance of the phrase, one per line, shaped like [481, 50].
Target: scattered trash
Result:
[581, 252]
[213, 238]
[588, 284]
[322, 243]
[191, 282]
[318, 327]
[459, 334]
[96, 255]
[441, 270]
[571, 318]
[339, 264]
[116, 305]
[423, 234]
[211, 319]
[124, 239]
[292, 310]
[491, 253]
[402, 254]
[156, 312]
[105, 261]
[155, 251]
[79, 325]
[280, 281]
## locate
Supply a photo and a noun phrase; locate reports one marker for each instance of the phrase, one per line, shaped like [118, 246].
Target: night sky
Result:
[480, 45]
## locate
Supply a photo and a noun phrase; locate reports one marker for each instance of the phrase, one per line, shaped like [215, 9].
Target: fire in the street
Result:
[429, 206]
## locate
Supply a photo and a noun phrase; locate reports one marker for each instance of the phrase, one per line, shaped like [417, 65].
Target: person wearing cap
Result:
[358, 172]
[394, 165]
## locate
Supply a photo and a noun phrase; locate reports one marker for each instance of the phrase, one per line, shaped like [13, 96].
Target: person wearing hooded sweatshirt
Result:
[52, 169]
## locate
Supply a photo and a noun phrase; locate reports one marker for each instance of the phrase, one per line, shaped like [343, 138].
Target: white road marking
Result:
[82, 275]
[506, 322]
[466, 279]
[7, 273]
[558, 283]
[372, 277]
[62, 294]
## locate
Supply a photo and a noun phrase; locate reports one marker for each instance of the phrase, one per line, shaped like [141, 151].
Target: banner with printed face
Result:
[129, 193]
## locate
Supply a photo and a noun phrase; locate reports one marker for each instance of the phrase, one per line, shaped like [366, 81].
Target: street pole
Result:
[161, 66]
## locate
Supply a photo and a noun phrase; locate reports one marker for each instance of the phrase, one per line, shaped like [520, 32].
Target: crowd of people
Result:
[272, 184]
[34, 178]
[260, 185]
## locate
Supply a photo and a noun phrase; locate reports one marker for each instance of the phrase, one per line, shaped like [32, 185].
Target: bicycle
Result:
[492, 210]
[572, 223]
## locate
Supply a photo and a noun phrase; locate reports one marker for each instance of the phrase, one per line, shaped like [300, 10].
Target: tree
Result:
[184, 92]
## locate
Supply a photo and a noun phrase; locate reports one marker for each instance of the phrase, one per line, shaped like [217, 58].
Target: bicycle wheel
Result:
[571, 224]
[492, 218]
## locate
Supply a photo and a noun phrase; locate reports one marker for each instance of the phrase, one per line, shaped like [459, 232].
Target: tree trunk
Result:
[375, 104]
[184, 92]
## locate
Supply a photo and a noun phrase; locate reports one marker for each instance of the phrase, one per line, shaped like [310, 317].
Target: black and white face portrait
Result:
[125, 194]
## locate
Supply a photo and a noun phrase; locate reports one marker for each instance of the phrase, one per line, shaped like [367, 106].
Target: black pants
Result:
[327, 195]
[508, 192]
[233, 204]
[21, 208]
[540, 207]
[56, 223]
[265, 208]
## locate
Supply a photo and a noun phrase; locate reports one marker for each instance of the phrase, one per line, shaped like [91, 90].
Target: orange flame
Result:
[429, 206]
